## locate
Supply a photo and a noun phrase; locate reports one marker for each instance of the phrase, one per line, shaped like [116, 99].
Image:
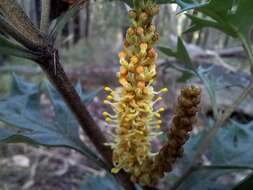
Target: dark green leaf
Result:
[181, 53]
[167, 51]
[200, 23]
[231, 17]
[26, 123]
[242, 18]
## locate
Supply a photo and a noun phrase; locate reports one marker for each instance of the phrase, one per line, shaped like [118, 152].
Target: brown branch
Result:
[25, 30]
[55, 72]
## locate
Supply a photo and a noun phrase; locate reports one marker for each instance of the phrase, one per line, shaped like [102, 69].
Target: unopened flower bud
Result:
[140, 31]
[130, 31]
[143, 17]
[152, 53]
[134, 60]
[151, 28]
[132, 14]
[155, 9]
[156, 37]
[141, 84]
[140, 69]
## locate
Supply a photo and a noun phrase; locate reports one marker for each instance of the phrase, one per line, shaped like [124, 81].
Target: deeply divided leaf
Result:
[22, 113]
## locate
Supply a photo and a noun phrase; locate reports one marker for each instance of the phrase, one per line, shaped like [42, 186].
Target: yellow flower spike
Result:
[133, 101]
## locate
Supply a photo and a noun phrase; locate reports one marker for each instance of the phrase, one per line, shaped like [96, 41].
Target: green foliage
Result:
[21, 111]
[230, 17]
[182, 56]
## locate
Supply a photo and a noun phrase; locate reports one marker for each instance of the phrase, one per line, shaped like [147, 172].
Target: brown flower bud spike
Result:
[182, 123]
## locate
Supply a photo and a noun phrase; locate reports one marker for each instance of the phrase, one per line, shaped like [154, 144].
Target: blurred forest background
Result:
[88, 47]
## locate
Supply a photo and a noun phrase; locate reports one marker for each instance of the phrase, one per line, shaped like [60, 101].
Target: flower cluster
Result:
[134, 101]
[135, 113]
